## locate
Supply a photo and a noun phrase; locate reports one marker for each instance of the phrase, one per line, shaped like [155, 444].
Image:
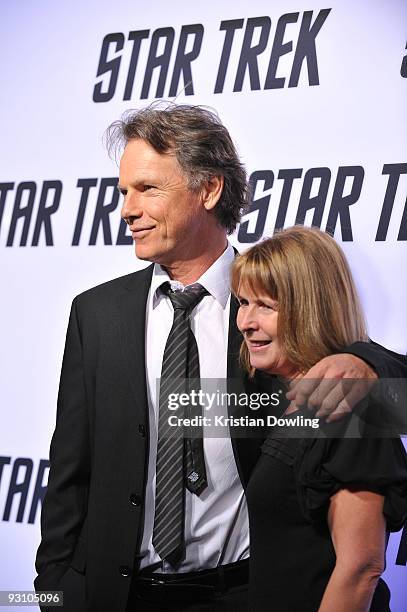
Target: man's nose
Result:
[131, 209]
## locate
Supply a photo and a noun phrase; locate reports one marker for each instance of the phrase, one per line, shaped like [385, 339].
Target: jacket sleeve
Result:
[391, 391]
[65, 502]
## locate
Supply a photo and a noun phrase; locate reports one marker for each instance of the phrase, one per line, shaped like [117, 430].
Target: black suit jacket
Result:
[92, 515]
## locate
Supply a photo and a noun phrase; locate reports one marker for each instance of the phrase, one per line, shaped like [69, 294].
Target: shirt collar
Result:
[216, 279]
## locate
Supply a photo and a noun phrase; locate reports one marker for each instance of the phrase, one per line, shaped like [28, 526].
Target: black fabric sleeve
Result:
[65, 502]
[386, 363]
[391, 392]
[365, 464]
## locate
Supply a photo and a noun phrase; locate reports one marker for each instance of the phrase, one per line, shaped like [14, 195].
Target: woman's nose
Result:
[247, 319]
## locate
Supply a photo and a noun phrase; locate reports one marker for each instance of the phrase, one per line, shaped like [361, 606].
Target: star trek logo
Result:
[143, 64]
[310, 193]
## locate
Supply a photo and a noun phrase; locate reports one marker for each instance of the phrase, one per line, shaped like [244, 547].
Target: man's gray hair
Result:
[201, 144]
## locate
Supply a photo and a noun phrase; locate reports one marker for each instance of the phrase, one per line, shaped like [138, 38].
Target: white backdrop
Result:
[345, 110]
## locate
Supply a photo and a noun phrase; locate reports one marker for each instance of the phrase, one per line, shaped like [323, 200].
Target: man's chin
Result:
[147, 253]
[144, 253]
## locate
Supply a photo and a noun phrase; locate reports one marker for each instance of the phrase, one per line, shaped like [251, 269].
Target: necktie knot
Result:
[184, 300]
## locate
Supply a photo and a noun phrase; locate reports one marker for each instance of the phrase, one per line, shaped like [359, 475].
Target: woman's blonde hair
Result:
[306, 272]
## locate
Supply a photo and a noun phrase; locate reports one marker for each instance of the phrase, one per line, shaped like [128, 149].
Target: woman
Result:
[319, 506]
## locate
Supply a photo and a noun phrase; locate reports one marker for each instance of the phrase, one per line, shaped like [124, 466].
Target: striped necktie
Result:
[179, 460]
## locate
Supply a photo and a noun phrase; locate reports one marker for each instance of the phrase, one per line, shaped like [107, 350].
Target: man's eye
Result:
[242, 302]
[147, 187]
[123, 192]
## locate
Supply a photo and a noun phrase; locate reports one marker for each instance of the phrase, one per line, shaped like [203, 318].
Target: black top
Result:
[291, 551]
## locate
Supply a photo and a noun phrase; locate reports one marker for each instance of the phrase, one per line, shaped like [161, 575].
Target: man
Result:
[111, 539]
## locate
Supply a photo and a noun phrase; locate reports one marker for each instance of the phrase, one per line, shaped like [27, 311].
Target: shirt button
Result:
[135, 499]
[142, 430]
[125, 570]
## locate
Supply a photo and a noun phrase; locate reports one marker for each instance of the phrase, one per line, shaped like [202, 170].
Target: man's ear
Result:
[211, 191]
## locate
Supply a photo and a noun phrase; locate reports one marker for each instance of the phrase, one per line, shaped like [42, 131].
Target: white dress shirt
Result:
[216, 522]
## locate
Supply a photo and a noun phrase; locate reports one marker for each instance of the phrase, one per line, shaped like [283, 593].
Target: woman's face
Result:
[257, 319]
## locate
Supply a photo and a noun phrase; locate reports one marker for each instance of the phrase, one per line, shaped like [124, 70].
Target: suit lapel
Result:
[234, 341]
[245, 445]
[235, 385]
[132, 309]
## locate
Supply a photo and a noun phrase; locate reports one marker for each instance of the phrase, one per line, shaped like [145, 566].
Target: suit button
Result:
[125, 570]
[393, 395]
[142, 430]
[135, 500]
